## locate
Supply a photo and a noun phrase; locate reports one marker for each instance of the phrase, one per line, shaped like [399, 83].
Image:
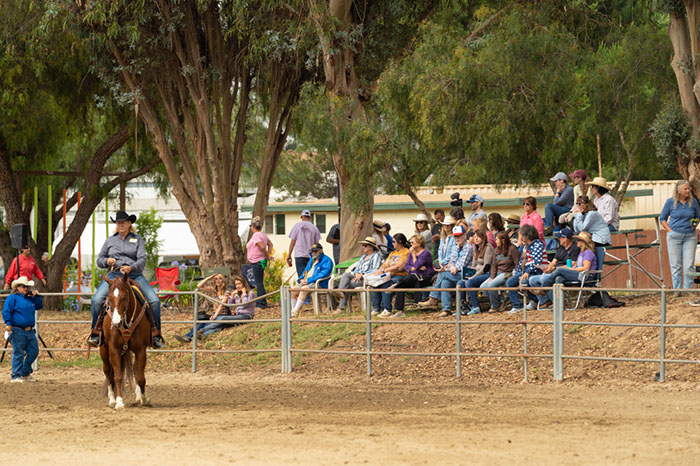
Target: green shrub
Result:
[148, 225]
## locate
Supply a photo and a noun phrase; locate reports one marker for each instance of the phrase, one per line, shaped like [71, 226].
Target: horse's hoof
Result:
[145, 402]
[120, 404]
[112, 403]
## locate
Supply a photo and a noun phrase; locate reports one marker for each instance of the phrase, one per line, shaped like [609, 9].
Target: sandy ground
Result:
[296, 419]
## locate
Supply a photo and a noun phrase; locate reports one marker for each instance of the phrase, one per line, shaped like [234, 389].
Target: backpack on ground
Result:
[603, 299]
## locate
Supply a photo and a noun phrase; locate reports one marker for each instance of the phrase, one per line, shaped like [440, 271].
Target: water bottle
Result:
[569, 263]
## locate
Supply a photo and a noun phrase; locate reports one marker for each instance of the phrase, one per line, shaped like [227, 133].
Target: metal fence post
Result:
[194, 331]
[35, 364]
[368, 304]
[458, 306]
[283, 329]
[286, 330]
[558, 331]
[662, 343]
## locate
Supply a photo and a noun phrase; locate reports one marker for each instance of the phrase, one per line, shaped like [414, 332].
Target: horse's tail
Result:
[127, 369]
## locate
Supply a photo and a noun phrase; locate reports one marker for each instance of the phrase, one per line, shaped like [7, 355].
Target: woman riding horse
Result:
[125, 253]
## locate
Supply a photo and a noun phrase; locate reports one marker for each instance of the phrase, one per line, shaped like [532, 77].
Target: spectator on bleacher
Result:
[462, 254]
[318, 269]
[258, 251]
[579, 177]
[495, 223]
[481, 265]
[303, 235]
[605, 203]
[230, 316]
[562, 203]
[439, 216]
[476, 203]
[334, 239]
[513, 220]
[368, 263]
[506, 258]
[585, 261]
[533, 255]
[27, 268]
[480, 224]
[389, 238]
[532, 217]
[419, 273]
[422, 227]
[566, 250]
[587, 218]
[679, 218]
[447, 242]
[395, 265]
[379, 233]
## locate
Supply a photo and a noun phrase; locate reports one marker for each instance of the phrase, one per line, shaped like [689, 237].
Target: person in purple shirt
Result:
[419, 266]
[585, 261]
[303, 235]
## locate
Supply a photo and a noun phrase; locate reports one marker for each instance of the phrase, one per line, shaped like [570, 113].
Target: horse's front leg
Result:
[109, 375]
[115, 358]
[140, 374]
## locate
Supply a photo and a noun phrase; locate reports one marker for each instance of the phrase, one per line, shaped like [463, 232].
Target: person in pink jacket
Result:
[531, 217]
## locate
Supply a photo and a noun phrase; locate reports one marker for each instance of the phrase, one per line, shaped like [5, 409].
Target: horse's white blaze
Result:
[110, 394]
[120, 403]
[139, 398]
[116, 318]
[116, 292]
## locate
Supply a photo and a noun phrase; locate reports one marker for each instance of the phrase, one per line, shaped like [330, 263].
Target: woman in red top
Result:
[27, 268]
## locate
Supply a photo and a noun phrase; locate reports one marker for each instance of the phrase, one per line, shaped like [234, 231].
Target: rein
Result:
[127, 329]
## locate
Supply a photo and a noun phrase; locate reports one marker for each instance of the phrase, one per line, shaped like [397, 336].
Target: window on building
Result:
[320, 221]
[269, 226]
[279, 224]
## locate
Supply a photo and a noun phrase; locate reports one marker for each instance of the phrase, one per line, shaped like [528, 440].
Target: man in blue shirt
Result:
[18, 315]
[562, 203]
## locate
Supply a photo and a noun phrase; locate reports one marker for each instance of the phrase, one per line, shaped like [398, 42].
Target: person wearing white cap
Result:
[562, 202]
[18, 314]
[476, 202]
[303, 235]
[423, 228]
[605, 203]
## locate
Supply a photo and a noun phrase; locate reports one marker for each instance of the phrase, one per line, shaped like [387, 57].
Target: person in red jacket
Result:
[27, 268]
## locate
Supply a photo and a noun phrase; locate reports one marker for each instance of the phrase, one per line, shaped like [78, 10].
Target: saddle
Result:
[145, 309]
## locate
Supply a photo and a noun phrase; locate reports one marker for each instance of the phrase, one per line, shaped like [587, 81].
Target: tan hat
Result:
[378, 225]
[421, 218]
[598, 181]
[370, 241]
[448, 220]
[513, 218]
[22, 281]
[586, 238]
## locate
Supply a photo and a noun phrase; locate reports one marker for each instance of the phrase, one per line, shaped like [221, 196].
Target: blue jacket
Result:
[594, 224]
[323, 269]
[18, 310]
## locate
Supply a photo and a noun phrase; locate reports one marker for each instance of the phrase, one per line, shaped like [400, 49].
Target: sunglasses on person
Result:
[526, 203]
[580, 202]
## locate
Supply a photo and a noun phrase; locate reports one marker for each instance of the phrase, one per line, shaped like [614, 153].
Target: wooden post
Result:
[50, 226]
[64, 234]
[122, 196]
[80, 260]
[600, 162]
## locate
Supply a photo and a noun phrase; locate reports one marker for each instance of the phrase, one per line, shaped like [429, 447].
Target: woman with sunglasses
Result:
[423, 229]
[532, 217]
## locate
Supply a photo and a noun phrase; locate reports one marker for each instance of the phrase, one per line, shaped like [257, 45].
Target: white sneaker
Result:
[398, 315]
[695, 302]
[515, 310]
[531, 306]
[375, 312]
[385, 313]
[17, 380]
[29, 378]
[295, 313]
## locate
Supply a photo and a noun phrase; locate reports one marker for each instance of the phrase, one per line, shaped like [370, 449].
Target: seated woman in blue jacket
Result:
[319, 267]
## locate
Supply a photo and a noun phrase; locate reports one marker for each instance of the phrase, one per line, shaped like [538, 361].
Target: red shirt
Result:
[27, 268]
[535, 220]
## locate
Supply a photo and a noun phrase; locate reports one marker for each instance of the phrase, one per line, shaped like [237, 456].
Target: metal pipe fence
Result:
[286, 349]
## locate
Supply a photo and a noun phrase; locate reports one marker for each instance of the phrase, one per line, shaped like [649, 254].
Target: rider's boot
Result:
[158, 342]
[94, 338]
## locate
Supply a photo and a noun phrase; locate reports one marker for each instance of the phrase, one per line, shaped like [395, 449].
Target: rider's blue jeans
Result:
[100, 295]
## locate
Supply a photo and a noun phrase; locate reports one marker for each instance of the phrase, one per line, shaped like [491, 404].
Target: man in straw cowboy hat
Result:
[605, 203]
[18, 315]
[368, 263]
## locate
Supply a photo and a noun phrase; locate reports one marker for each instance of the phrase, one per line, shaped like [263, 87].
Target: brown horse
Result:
[126, 330]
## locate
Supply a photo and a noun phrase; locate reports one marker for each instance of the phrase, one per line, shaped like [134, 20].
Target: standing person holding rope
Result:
[124, 253]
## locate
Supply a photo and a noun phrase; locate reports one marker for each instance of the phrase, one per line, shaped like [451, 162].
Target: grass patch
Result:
[574, 329]
[80, 361]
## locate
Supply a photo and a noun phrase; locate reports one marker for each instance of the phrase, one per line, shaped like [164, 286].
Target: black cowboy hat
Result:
[122, 215]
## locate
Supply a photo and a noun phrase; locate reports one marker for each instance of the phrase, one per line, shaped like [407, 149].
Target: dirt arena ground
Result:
[296, 419]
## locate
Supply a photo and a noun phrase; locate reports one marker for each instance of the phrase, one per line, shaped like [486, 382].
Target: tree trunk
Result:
[421, 206]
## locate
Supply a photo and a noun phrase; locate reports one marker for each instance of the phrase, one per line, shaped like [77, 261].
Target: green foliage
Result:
[671, 132]
[148, 225]
[273, 276]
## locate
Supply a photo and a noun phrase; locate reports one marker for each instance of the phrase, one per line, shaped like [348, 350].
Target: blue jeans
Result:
[222, 322]
[681, 257]
[98, 299]
[300, 264]
[514, 296]
[552, 213]
[259, 275]
[561, 275]
[538, 281]
[25, 349]
[383, 300]
[474, 282]
[445, 280]
[494, 296]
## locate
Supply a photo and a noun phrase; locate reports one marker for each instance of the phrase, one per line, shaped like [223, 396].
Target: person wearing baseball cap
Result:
[303, 235]
[462, 254]
[476, 203]
[562, 203]
[318, 269]
[18, 314]
[567, 250]
[579, 177]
